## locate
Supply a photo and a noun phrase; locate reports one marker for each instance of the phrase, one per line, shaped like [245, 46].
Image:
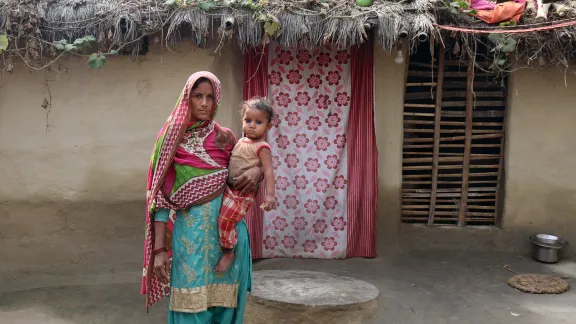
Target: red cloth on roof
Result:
[511, 10]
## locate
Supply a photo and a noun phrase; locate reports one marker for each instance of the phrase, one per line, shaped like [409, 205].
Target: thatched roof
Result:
[338, 21]
[34, 25]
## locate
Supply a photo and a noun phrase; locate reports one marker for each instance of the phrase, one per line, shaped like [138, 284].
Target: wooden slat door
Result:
[453, 143]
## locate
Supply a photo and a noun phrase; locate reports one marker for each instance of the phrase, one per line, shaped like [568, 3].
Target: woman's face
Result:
[202, 102]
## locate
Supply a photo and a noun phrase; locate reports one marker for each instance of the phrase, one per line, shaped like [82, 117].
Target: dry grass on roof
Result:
[311, 23]
[34, 25]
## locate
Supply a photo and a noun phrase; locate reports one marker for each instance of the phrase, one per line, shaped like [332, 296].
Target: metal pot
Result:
[545, 247]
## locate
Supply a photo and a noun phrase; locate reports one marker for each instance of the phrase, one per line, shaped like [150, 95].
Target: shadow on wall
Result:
[99, 210]
[94, 234]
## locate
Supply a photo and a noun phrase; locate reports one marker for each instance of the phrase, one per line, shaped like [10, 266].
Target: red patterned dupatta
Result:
[201, 175]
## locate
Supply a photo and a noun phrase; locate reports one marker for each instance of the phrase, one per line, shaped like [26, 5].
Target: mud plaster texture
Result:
[71, 202]
[94, 146]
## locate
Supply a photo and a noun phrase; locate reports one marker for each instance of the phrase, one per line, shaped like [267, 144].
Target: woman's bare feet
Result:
[225, 261]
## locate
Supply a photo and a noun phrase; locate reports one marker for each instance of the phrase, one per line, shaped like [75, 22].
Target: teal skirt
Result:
[199, 295]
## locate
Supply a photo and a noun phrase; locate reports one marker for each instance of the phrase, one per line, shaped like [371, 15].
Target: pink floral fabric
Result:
[311, 92]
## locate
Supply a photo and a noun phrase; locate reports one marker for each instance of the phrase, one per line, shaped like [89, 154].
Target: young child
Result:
[250, 151]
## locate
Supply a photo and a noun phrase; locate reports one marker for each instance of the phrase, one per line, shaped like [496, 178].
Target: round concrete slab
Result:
[309, 288]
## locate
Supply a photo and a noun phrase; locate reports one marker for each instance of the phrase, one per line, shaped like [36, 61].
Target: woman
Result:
[187, 174]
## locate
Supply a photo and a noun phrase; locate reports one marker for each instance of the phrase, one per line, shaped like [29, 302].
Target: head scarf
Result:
[183, 143]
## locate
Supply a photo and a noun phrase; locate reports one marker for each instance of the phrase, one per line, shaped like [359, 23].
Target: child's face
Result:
[255, 123]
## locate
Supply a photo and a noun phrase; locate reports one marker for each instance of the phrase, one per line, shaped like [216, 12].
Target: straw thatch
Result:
[310, 22]
[33, 26]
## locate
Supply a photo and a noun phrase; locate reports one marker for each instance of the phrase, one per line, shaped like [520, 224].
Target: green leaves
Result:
[271, 27]
[79, 43]
[504, 45]
[460, 5]
[508, 23]
[3, 43]
[96, 61]
[495, 38]
[509, 46]
[206, 5]
[60, 45]
[202, 5]
[271, 23]
[251, 5]
[364, 3]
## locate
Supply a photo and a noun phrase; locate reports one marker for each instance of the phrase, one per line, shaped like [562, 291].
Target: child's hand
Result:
[269, 203]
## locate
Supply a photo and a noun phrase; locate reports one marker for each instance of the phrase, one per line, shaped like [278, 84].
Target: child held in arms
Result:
[251, 150]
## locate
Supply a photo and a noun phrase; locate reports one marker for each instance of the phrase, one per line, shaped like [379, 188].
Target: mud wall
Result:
[79, 173]
[540, 181]
[388, 121]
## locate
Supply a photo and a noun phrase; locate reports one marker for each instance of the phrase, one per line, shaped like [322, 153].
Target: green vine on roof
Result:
[95, 60]
[3, 43]
[457, 6]
[504, 45]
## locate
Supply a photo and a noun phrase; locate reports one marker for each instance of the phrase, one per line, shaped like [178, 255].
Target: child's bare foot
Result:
[225, 261]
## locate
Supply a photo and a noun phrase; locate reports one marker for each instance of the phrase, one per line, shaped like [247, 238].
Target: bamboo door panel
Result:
[453, 144]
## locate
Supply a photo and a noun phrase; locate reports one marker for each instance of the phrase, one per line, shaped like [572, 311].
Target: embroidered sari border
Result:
[199, 299]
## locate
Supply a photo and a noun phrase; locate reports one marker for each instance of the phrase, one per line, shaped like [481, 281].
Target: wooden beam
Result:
[500, 184]
[412, 105]
[479, 85]
[492, 103]
[415, 146]
[467, 142]
[447, 159]
[450, 63]
[476, 189]
[480, 114]
[421, 84]
[454, 94]
[428, 74]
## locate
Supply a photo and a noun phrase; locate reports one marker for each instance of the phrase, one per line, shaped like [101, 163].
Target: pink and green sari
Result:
[187, 176]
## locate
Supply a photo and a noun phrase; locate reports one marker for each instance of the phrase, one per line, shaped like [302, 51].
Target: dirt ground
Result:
[101, 285]
[81, 264]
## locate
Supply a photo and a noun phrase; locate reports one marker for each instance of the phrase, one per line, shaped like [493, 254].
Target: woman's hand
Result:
[162, 267]
[248, 181]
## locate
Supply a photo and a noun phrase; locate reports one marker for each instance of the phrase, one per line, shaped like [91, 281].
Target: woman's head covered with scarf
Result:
[179, 120]
[194, 111]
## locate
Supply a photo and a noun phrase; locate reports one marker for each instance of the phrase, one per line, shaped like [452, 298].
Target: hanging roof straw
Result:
[35, 24]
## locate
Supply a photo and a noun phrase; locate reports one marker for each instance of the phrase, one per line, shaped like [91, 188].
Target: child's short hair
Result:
[261, 104]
